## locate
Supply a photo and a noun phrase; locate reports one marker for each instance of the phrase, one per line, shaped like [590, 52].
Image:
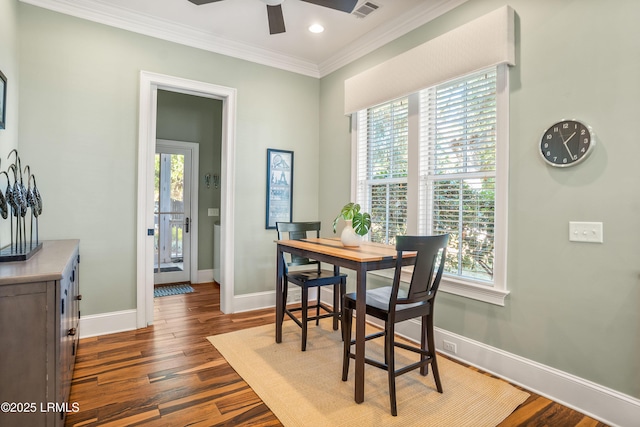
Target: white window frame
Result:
[364, 183]
[477, 290]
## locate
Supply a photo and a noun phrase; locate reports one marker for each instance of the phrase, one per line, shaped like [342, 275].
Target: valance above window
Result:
[481, 43]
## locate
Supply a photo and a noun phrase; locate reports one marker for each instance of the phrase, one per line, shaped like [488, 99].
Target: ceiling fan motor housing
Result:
[274, 10]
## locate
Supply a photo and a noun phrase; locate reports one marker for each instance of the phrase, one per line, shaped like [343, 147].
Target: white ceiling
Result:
[239, 28]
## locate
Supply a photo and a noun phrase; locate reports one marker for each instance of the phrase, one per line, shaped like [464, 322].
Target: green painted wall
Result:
[191, 118]
[572, 306]
[79, 90]
[9, 67]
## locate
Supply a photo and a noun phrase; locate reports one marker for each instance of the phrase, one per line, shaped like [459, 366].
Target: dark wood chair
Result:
[393, 304]
[310, 278]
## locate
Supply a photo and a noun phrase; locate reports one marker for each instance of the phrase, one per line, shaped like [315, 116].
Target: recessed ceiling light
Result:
[316, 28]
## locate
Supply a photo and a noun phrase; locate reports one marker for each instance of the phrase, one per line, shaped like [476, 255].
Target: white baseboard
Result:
[255, 301]
[204, 276]
[604, 404]
[601, 403]
[260, 300]
[107, 323]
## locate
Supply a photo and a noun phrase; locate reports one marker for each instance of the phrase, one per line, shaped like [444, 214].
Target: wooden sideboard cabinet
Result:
[39, 330]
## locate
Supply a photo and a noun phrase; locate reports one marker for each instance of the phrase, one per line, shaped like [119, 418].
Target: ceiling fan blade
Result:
[199, 2]
[276, 19]
[342, 5]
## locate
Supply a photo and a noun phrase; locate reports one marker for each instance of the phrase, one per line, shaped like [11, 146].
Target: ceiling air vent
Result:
[364, 10]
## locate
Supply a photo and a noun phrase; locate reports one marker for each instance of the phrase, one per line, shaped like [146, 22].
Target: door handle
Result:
[186, 228]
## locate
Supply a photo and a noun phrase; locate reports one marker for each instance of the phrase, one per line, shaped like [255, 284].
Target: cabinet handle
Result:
[71, 332]
[79, 297]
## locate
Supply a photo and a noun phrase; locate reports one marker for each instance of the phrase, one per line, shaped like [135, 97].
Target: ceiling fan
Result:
[274, 10]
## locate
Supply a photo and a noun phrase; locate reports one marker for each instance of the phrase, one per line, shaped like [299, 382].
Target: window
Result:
[382, 176]
[457, 184]
[457, 166]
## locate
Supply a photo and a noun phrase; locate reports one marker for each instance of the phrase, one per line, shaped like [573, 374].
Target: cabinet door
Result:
[67, 332]
[69, 322]
[24, 353]
[77, 297]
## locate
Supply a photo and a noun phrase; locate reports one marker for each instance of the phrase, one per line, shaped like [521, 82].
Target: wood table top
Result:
[366, 252]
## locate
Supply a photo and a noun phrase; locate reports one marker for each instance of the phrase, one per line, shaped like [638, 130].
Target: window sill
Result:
[457, 287]
[473, 291]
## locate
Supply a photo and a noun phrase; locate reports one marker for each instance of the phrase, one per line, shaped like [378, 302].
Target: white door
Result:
[172, 214]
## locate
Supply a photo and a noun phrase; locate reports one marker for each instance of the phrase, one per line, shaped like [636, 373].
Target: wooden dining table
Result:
[366, 257]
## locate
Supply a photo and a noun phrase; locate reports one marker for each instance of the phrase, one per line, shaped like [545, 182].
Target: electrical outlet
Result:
[449, 347]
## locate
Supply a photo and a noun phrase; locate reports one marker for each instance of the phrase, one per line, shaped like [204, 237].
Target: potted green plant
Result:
[358, 224]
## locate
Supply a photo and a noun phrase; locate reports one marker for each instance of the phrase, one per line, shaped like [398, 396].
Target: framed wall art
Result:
[3, 100]
[279, 186]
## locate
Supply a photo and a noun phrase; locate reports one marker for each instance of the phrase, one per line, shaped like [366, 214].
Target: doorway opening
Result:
[175, 210]
[150, 83]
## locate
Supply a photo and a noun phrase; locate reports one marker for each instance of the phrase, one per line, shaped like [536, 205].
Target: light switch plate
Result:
[590, 232]
[213, 212]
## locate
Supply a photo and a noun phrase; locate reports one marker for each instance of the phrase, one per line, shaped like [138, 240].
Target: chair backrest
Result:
[427, 270]
[298, 231]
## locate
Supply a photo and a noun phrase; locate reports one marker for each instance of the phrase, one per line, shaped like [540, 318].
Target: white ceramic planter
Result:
[349, 236]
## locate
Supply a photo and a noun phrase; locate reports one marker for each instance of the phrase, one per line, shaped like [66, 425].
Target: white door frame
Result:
[194, 149]
[149, 85]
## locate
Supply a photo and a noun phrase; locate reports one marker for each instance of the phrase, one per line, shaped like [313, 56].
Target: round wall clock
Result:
[567, 143]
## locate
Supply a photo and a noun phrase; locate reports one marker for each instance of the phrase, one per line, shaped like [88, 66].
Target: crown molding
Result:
[384, 34]
[104, 13]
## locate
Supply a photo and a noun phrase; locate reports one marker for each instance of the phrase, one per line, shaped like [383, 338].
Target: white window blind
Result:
[383, 168]
[458, 171]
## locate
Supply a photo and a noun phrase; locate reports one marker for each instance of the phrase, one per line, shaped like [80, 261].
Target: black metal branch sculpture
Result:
[4, 208]
[18, 201]
[31, 203]
[14, 203]
[11, 205]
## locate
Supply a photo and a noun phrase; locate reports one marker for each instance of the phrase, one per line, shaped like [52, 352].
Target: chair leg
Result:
[432, 353]
[318, 294]
[424, 370]
[389, 355]
[346, 338]
[305, 309]
[285, 288]
[343, 291]
[336, 307]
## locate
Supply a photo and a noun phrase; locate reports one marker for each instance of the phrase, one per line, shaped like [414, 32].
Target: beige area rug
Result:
[305, 388]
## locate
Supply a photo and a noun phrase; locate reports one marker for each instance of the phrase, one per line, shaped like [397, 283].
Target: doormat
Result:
[163, 291]
[167, 269]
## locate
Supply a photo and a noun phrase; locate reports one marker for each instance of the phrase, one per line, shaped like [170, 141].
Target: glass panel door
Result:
[171, 215]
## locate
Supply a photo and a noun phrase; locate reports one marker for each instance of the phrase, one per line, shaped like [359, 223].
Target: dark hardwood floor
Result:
[170, 375]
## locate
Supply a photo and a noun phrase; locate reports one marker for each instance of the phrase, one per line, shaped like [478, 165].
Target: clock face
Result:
[567, 143]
